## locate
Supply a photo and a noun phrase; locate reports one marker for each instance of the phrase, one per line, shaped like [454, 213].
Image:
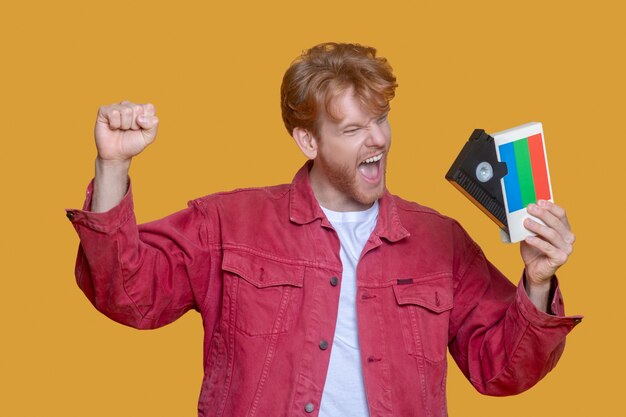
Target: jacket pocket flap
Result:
[262, 272]
[435, 295]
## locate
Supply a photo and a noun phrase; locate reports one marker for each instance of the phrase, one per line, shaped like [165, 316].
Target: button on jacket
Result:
[262, 267]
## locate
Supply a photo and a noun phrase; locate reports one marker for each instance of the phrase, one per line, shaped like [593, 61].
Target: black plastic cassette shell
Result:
[462, 174]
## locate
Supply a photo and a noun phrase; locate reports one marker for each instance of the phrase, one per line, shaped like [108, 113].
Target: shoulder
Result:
[413, 210]
[424, 221]
[250, 198]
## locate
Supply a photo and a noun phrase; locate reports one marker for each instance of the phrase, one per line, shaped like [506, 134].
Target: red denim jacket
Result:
[262, 267]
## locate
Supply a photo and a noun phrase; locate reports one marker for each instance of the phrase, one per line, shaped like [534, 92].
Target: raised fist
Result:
[124, 130]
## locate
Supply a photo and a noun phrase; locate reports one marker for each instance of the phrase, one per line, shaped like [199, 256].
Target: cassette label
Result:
[522, 149]
[527, 181]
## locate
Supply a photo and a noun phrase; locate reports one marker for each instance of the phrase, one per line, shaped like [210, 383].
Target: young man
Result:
[327, 296]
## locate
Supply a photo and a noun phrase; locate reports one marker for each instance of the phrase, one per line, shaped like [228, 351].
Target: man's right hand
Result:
[122, 131]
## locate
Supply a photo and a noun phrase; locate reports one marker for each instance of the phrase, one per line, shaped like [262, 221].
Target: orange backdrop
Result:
[213, 69]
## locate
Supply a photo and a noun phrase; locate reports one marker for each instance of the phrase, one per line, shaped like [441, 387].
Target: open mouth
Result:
[370, 168]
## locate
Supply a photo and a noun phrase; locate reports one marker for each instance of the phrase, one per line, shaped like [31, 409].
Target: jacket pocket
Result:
[265, 293]
[424, 309]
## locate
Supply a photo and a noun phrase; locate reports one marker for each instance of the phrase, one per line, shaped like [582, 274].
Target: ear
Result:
[306, 142]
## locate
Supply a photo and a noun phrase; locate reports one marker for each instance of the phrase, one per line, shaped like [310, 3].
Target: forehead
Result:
[346, 107]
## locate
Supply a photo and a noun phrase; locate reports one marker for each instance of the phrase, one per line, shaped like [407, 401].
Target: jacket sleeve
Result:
[500, 340]
[142, 276]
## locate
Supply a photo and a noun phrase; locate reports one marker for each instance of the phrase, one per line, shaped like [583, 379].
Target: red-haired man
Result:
[327, 296]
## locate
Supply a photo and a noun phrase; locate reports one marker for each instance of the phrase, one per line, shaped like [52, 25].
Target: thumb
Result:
[149, 126]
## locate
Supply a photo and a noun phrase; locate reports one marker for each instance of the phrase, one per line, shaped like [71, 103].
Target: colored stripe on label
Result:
[511, 182]
[540, 170]
[524, 171]
[527, 179]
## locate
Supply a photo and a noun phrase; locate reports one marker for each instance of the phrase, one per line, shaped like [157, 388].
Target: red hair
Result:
[326, 70]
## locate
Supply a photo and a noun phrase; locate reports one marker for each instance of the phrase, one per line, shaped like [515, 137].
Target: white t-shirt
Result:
[344, 391]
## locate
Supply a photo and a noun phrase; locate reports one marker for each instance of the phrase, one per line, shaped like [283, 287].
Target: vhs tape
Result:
[502, 174]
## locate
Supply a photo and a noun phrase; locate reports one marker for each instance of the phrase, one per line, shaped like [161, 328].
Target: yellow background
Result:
[213, 70]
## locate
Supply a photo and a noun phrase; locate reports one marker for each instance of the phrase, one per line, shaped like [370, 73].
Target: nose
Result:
[378, 136]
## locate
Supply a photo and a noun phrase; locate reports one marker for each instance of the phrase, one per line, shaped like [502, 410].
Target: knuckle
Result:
[559, 211]
[572, 238]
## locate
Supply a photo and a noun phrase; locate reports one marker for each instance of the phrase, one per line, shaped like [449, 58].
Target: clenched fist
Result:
[124, 130]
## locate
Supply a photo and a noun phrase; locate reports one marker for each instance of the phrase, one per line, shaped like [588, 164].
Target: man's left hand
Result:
[549, 250]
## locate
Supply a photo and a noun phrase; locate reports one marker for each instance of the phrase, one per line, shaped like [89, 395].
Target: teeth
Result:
[373, 159]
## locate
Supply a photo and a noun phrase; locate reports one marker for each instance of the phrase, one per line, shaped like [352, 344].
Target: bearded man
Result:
[328, 296]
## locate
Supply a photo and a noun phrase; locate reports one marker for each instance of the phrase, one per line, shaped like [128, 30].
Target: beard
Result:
[344, 179]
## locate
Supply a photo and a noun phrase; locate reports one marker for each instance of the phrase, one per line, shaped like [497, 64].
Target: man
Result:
[328, 296]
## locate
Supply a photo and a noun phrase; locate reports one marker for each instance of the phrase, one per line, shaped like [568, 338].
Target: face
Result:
[348, 172]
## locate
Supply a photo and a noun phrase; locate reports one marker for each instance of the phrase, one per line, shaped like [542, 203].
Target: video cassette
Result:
[502, 174]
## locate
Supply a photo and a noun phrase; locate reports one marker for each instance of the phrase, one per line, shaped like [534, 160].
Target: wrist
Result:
[543, 286]
[113, 166]
[539, 292]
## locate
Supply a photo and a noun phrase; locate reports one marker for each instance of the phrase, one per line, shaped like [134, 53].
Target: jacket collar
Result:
[304, 208]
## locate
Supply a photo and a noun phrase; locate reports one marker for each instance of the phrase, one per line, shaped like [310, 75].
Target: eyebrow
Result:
[354, 123]
[350, 125]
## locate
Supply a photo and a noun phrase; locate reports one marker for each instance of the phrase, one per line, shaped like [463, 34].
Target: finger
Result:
[555, 217]
[555, 256]
[546, 232]
[126, 116]
[547, 217]
[149, 126]
[103, 111]
[107, 115]
[147, 122]
[556, 210]
[137, 111]
[149, 109]
[549, 235]
[114, 119]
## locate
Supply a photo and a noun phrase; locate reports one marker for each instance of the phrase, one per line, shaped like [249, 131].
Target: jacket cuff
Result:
[105, 222]
[540, 318]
